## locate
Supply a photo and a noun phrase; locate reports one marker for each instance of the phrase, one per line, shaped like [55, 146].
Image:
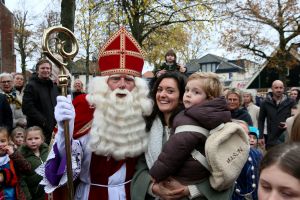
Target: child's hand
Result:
[160, 72]
[8, 149]
[182, 69]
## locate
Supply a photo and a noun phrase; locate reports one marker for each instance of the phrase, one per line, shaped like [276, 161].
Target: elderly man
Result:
[109, 130]
[77, 88]
[7, 87]
[276, 108]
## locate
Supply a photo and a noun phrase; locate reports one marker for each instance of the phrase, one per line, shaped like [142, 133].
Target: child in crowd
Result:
[204, 108]
[170, 64]
[35, 151]
[247, 183]
[12, 164]
[17, 136]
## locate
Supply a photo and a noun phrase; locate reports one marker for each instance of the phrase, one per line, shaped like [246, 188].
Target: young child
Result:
[247, 183]
[35, 151]
[204, 108]
[170, 64]
[17, 136]
[12, 164]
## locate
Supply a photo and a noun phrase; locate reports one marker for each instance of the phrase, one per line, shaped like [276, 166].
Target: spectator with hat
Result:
[247, 183]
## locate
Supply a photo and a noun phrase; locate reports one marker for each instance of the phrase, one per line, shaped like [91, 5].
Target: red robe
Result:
[101, 167]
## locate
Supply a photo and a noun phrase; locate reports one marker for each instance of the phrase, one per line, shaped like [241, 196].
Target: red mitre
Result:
[83, 117]
[121, 55]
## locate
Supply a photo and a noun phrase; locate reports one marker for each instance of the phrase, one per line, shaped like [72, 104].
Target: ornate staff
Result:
[62, 82]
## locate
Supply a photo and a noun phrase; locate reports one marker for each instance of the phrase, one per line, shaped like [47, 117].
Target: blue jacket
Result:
[248, 177]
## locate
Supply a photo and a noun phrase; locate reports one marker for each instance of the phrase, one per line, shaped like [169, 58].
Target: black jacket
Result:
[6, 118]
[274, 114]
[38, 105]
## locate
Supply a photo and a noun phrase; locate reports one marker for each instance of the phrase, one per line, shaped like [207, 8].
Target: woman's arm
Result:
[141, 184]
[203, 189]
[141, 181]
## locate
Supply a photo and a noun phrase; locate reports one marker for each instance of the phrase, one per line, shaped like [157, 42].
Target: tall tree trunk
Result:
[68, 8]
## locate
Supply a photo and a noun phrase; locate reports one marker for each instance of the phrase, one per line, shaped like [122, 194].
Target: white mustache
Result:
[119, 91]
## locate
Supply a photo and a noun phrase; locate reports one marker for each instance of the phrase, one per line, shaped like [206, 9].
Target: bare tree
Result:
[24, 38]
[145, 17]
[68, 8]
[263, 27]
[87, 24]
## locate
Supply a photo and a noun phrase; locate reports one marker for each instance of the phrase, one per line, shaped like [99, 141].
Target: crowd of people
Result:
[136, 140]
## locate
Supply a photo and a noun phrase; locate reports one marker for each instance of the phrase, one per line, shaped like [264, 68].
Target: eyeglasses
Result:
[5, 82]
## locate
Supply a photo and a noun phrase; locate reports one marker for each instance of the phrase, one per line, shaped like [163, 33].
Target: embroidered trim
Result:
[111, 185]
[119, 70]
[85, 127]
[121, 31]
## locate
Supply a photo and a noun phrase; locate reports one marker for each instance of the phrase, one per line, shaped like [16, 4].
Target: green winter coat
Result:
[31, 181]
[142, 179]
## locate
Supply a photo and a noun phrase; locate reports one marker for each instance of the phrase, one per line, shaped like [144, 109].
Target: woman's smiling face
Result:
[167, 95]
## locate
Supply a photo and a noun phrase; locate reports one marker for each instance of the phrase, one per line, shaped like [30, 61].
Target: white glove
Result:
[64, 110]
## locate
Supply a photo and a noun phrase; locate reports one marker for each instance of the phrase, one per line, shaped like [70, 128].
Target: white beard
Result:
[118, 127]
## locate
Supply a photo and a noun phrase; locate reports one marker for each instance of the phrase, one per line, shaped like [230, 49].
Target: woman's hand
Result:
[170, 189]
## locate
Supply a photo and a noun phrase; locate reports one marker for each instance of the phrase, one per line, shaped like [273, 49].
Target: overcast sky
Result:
[41, 6]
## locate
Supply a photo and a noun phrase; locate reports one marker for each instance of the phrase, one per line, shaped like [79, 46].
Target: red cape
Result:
[83, 117]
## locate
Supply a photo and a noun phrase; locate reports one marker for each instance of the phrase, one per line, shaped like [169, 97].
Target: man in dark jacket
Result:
[276, 108]
[39, 99]
[6, 118]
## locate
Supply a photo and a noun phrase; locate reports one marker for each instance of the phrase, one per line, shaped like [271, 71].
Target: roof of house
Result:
[223, 63]
[293, 52]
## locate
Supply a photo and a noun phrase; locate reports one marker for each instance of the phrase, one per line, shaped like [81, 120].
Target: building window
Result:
[208, 67]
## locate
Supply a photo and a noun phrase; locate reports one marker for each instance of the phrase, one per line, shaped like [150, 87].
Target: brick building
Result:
[7, 55]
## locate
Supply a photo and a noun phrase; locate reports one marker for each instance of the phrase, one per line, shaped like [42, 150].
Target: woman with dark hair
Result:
[280, 173]
[167, 94]
[162, 110]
